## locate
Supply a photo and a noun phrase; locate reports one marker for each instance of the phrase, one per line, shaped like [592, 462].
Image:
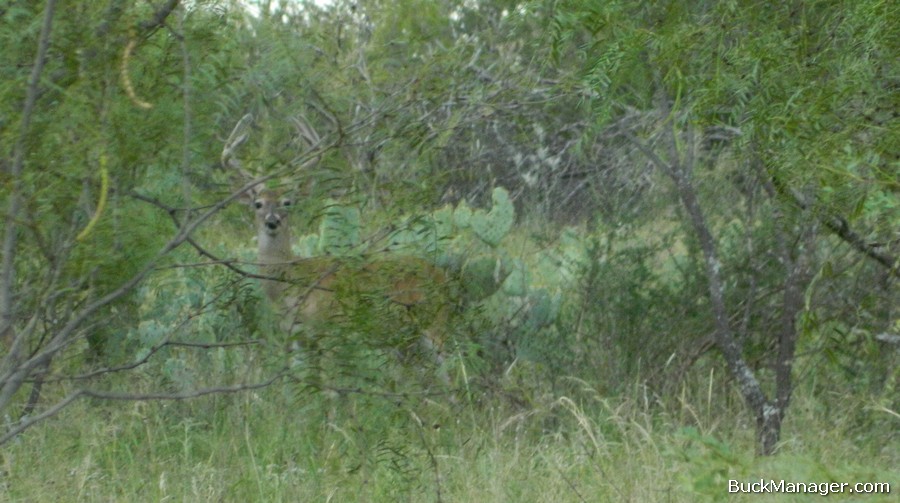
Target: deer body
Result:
[405, 292]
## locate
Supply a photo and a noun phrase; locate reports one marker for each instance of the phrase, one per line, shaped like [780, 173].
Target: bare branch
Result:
[134, 397]
[7, 269]
[841, 228]
[159, 17]
[29, 422]
[152, 351]
[184, 395]
[212, 345]
[216, 260]
[14, 376]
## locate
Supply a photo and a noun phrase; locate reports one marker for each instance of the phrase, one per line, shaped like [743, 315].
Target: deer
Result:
[317, 293]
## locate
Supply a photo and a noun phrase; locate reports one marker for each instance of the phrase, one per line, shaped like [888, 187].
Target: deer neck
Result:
[275, 256]
[275, 249]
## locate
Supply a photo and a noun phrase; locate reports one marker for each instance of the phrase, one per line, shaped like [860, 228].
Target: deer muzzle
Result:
[272, 222]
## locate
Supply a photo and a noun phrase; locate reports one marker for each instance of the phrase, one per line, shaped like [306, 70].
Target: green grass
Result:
[516, 437]
[281, 444]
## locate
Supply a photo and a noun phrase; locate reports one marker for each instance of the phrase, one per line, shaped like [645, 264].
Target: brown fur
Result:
[315, 291]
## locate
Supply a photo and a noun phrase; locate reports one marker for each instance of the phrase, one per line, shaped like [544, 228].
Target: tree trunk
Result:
[768, 414]
[768, 428]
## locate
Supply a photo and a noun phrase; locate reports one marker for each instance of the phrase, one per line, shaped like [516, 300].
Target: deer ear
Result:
[291, 192]
[249, 195]
[303, 189]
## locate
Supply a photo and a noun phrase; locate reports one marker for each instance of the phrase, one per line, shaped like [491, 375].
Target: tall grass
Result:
[496, 444]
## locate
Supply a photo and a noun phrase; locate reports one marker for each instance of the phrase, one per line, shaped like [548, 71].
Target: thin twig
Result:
[212, 345]
[134, 397]
[10, 242]
[152, 351]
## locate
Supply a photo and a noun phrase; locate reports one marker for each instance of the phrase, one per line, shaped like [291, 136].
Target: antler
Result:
[309, 134]
[238, 136]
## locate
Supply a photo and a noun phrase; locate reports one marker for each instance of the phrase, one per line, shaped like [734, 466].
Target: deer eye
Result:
[286, 203]
[257, 204]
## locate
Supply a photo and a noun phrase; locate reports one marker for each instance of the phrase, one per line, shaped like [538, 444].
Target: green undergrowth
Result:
[495, 444]
[515, 428]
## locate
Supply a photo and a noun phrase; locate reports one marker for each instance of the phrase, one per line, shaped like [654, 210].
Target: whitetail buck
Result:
[404, 293]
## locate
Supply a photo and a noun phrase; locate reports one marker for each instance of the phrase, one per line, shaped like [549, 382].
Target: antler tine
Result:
[237, 137]
[306, 131]
[309, 134]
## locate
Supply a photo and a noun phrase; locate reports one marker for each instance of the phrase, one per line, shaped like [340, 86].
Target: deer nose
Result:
[272, 222]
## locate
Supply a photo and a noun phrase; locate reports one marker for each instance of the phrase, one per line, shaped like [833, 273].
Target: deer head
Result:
[271, 207]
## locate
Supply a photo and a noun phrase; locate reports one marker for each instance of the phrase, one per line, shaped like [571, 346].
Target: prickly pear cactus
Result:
[437, 232]
[308, 246]
[492, 226]
[462, 215]
[482, 277]
[442, 221]
[543, 309]
[516, 285]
